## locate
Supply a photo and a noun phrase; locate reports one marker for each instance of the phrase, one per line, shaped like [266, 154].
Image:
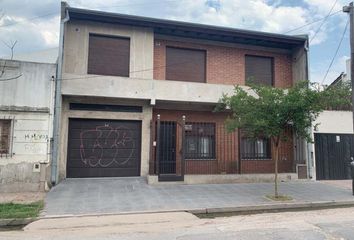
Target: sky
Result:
[34, 25]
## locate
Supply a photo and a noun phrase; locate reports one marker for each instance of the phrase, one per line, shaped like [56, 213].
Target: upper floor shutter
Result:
[108, 55]
[259, 70]
[185, 64]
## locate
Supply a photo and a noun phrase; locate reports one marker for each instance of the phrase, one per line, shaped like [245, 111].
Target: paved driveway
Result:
[126, 195]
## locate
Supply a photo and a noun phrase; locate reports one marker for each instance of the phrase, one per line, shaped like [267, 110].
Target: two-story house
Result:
[138, 97]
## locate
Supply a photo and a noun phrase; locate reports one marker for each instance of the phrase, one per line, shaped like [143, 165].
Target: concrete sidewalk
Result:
[310, 225]
[134, 195]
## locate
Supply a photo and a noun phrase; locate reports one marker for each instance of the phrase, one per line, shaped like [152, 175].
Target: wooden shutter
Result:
[108, 55]
[259, 70]
[185, 64]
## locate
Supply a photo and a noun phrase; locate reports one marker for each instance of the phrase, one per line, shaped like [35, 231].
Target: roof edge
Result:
[148, 21]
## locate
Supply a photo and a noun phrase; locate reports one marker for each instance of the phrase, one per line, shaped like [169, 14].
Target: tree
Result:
[265, 111]
[4, 64]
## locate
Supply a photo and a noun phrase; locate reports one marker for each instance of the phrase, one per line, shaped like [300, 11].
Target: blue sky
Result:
[20, 22]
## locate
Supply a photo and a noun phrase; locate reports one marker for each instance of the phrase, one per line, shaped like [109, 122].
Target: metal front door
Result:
[169, 152]
[167, 149]
[333, 155]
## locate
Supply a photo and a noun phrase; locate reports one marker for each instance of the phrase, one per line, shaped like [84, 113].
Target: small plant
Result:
[280, 198]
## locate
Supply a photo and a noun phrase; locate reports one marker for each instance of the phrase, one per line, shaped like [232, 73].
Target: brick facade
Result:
[227, 159]
[225, 65]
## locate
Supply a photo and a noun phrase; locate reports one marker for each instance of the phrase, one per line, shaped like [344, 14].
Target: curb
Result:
[246, 209]
[16, 222]
[275, 207]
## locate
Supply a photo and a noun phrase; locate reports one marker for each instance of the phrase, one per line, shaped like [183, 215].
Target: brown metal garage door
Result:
[103, 148]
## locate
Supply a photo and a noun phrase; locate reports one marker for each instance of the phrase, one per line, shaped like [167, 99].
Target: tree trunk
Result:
[276, 153]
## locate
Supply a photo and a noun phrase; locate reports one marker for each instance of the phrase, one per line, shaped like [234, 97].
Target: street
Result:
[317, 224]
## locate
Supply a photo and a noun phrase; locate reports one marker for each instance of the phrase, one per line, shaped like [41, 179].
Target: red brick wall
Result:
[285, 164]
[227, 148]
[226, 143]
[225, 65]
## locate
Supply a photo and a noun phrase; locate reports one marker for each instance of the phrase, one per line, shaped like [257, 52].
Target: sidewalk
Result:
[309, 225]
[134, 195]
[346, 184]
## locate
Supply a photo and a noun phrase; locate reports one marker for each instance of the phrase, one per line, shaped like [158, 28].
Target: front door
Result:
[167, 148]
[169, 158]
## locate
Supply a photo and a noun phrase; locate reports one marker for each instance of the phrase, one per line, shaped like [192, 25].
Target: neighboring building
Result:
[26, 110]
[44, 56]
[334, 139]
[136, 89]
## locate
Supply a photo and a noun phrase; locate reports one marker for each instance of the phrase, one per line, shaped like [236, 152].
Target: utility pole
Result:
[350, 9]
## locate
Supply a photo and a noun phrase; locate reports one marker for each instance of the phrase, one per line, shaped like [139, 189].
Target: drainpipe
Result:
[50, 120]
[58, 98]
[309, 146]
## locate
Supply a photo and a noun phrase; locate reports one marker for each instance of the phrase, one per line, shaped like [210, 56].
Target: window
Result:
[255, 148]
[185, 64]
[259, 70]
[5, 126]
[108, 55]
[200, 140]
[105, 107]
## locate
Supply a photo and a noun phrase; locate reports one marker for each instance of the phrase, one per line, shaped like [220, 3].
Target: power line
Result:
[335, 54]
[29, 19]
[324, 20]
[10, 79]
[310, 23]
[57, 12]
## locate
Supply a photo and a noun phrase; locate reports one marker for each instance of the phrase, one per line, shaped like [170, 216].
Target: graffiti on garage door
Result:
[103, 145]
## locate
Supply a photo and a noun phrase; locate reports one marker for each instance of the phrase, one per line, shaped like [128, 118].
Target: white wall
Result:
[31, 91]
[335, 122]
[29, 137]
[28, 102]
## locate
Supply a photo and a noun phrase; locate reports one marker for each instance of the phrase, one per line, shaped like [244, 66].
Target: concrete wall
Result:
[31, 90]
[144, 117]
[299, 64]
[133, 88]
[335, 122]
[27, 102]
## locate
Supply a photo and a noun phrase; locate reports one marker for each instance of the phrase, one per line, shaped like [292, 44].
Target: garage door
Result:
[103, 148]
[333, 155]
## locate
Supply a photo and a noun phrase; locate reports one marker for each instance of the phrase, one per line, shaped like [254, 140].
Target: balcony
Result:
[145, 89]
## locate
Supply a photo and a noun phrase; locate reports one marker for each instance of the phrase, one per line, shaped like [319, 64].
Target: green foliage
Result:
[16, 210]
[266, 111]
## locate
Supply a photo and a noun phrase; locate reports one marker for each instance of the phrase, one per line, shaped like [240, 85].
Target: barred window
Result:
[255, 148]
[200, 140]
[5, 127]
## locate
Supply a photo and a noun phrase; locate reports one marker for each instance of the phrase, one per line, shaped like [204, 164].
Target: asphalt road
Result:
[319, 224]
